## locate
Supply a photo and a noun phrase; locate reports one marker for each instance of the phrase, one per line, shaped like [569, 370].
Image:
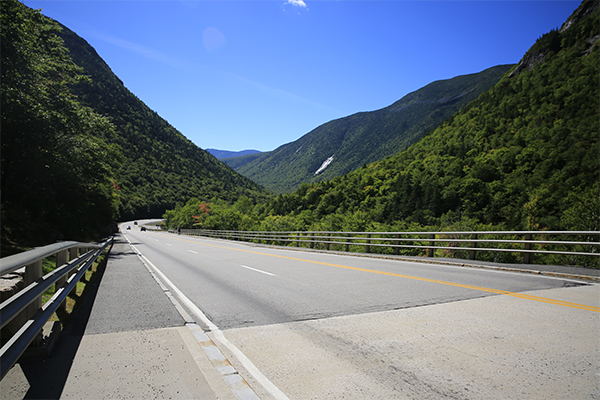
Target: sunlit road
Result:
[330, 326]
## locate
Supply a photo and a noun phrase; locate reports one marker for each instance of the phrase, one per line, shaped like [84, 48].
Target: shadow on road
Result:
[47, 376]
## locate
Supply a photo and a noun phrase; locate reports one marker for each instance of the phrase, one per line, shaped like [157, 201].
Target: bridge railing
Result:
[430, 244]
[25, 308]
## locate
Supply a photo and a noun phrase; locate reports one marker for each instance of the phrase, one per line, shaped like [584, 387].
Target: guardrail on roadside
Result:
[525, 243]
[26, 305]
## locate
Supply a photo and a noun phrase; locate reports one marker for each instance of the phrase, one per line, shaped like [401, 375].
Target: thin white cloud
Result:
[275, 92]
[297, 3]
[143, 51]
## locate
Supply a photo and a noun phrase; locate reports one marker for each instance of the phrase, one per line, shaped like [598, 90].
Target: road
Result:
[328, 326]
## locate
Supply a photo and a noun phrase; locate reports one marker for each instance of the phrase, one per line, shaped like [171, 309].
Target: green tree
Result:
[57, 178]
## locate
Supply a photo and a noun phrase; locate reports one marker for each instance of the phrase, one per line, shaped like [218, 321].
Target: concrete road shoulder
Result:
[159, 363]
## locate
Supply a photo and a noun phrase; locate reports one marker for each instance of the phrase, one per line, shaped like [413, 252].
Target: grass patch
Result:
[73, 299]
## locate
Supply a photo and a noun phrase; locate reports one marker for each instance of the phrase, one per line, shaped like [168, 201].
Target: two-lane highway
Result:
[240, 285]
[328, 326]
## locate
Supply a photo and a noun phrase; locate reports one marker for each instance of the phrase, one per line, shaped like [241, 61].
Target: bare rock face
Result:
[528, 63]
[535, 55]
[10, 284]
[586, 8]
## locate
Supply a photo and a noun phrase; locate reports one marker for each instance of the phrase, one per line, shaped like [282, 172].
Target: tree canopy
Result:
[57, 171]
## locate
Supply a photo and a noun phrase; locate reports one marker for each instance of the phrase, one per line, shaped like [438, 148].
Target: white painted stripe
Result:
[192, 251]
[169, 244]
[245, 361]
[250, 367]
[257, 270]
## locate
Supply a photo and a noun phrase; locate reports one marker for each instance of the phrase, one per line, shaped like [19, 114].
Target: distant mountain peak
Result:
[222, 154]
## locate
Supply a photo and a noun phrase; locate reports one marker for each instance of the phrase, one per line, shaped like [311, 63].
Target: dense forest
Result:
[361, 138]
[79, 150]
[57, 170]
[522, 156]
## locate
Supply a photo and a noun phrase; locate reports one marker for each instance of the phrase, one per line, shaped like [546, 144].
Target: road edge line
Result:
[238, 386]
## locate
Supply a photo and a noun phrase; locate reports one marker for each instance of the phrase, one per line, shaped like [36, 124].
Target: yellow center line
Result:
[416, 278]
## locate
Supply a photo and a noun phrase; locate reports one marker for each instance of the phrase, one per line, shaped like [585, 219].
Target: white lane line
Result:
[169, 244]
[257, 270]
[192, 251]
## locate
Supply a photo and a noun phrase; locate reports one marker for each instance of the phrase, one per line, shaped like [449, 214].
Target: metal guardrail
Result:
[428, 242]
[26, 305]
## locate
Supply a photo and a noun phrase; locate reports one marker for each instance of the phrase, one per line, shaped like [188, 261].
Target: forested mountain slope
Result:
[57, 172]
[161, 167]
[346, 144]
[524, 155]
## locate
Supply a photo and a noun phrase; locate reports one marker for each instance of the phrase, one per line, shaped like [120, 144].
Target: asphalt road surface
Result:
[329, 326]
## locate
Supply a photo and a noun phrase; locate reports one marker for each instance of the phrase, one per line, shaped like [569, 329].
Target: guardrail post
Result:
[527, 246]
[431, 250]
[347, 243]
[473, 253]
[327, 241]
[73, 254]
[61, 259]
[368, 248]
[397, 249]
[312, 242]
[33, 272]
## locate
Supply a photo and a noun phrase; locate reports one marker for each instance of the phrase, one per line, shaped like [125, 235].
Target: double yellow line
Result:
[416, 278]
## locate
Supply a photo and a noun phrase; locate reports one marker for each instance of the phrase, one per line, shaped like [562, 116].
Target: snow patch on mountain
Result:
[324, 165]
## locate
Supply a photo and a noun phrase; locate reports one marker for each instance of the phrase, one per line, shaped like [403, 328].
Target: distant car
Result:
[128, 227]
[143, 228]
[135, 223]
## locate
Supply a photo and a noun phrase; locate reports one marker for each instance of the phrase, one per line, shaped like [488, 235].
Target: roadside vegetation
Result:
[75, 298]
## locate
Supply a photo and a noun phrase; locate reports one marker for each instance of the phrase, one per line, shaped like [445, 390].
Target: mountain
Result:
[221, 154]
[161, 167]
[57, 172]
[346, 144]
[524, 155]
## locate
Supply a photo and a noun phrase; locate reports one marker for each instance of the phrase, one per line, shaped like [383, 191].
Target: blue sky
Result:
[237, 75]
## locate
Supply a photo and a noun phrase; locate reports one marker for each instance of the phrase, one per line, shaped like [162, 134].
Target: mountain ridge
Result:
[364, 137]
[222, 154]
[162, 167]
